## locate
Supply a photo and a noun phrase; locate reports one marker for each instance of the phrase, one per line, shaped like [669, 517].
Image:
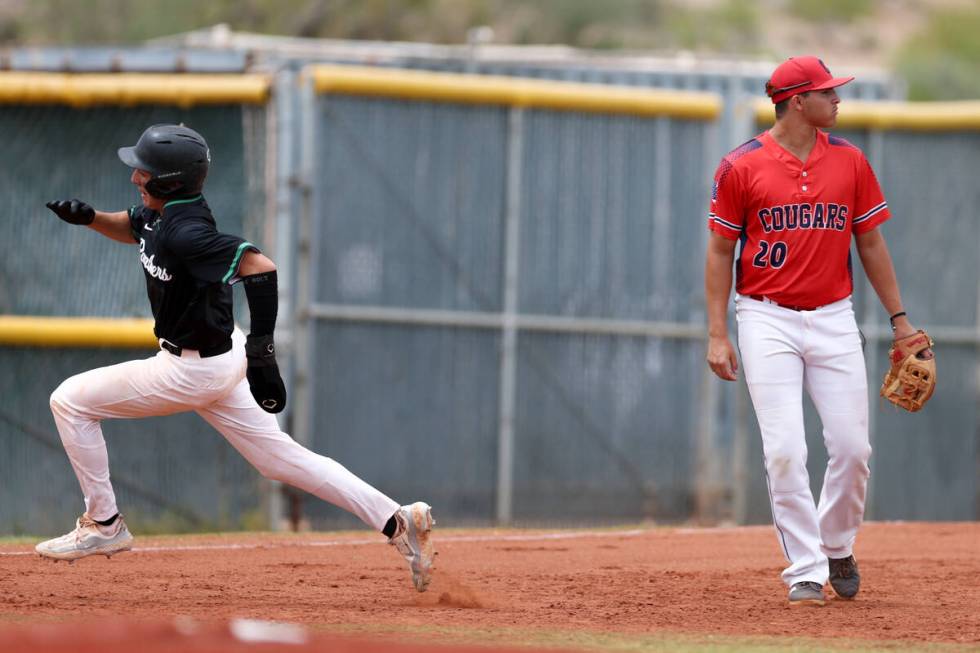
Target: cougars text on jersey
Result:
[820, 215]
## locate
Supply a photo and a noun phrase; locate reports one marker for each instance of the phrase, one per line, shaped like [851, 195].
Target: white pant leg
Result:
[257, 436]
[837, 382]
[216, 388]
[161, 385]
[771, 345]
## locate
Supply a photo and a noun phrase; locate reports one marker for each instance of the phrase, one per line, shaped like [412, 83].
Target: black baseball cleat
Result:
[844, 577]
[806, 593]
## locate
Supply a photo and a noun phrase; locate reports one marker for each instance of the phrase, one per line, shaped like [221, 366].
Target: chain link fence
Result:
[172, 473]
[494, 307]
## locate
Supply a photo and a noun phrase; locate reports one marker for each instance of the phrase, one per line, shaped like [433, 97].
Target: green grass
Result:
[627, 643]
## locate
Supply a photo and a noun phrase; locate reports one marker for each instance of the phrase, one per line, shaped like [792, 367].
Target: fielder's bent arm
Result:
[717, 287]
[877, 262]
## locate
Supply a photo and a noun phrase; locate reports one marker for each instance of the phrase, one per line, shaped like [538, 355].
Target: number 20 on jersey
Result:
[770, 255]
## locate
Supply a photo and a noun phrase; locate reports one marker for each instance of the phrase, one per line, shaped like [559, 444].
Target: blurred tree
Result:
[943, 61]
[581, 23]
[843, 11]
[731, 26]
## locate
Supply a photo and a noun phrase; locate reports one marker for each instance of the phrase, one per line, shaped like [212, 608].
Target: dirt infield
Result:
[919, 584]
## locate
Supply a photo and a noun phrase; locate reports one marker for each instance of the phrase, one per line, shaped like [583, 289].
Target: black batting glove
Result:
[73, 211]
[263, 374]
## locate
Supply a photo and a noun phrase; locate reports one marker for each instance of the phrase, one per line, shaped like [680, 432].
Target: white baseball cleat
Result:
[413, 540]
[87, 539]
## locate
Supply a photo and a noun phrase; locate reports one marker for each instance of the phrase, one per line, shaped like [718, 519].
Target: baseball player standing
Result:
[204, 364]
[794, 197]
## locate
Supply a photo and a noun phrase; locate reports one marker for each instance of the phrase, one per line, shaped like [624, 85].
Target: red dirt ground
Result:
[919, 584]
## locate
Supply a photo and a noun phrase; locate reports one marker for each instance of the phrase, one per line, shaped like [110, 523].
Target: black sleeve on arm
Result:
[262, 292]
[262, 371]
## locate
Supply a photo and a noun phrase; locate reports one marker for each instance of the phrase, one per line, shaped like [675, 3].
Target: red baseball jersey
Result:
[794, 219]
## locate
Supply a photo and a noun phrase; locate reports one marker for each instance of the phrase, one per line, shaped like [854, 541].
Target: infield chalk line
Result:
[287, 545]
[537, 537]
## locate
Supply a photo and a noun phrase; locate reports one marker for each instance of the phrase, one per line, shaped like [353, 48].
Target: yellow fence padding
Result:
[76, 332]
[513, 91]
[128, 89]
[898, 116]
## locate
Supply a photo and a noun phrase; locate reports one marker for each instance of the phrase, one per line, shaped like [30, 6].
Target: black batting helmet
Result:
[177, 157]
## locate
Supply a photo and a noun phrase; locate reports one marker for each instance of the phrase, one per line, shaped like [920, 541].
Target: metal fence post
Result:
[508, 336]
[875, 157]
[740, 455]
[740, 128]
[280, 152]
[304, 321]
[976, 504]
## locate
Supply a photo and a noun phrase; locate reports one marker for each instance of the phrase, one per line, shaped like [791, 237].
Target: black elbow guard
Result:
[262, 373]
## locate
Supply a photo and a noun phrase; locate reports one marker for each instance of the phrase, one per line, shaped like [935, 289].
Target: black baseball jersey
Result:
[189, 267]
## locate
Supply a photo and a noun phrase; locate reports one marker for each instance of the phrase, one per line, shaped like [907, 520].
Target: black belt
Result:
[177, 350]
[760, 298]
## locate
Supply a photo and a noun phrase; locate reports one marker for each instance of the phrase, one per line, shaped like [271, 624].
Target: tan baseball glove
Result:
[911, 380]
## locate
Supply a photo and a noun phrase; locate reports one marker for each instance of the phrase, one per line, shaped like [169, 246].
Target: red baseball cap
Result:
[801, 74]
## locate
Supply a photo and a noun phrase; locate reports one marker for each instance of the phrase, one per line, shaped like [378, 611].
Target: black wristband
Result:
[262, 293]
[891, 320]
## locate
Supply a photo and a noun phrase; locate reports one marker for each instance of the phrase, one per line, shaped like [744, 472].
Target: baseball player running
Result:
[793, 197]
[204, 364]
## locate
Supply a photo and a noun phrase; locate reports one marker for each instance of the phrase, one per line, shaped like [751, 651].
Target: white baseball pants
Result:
[216, 389]
[784, 351]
